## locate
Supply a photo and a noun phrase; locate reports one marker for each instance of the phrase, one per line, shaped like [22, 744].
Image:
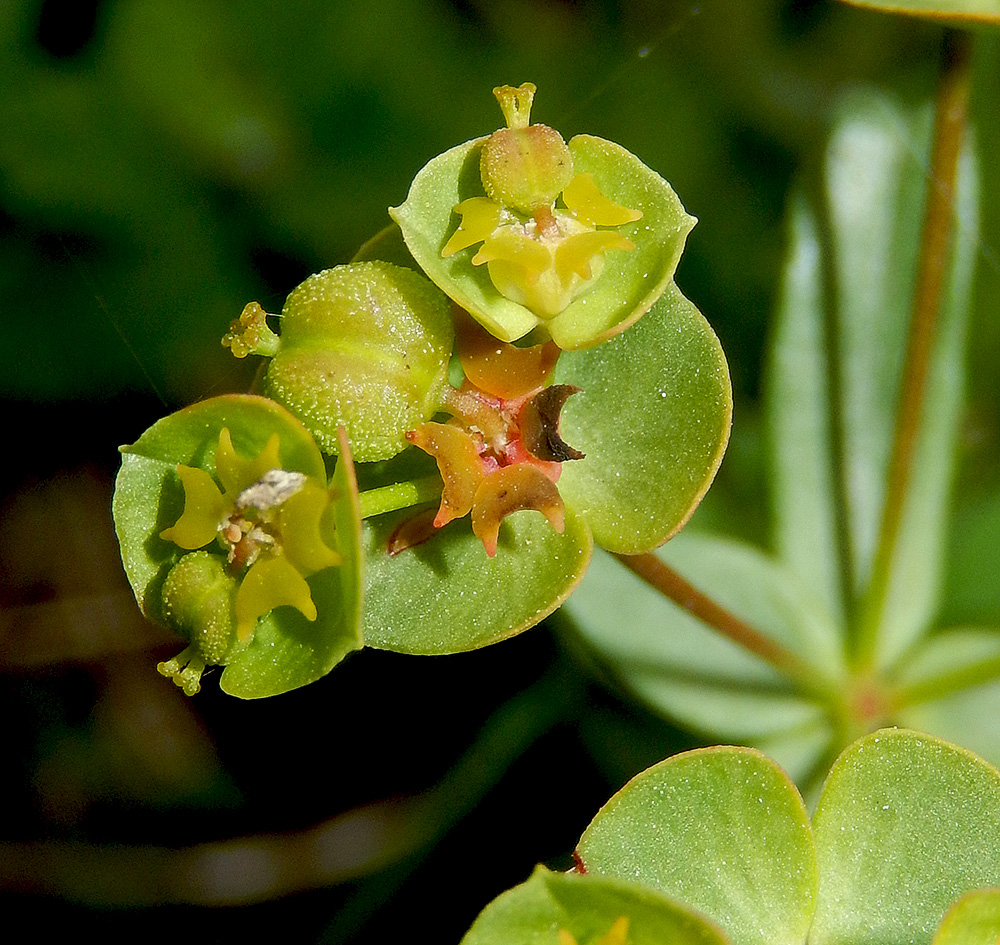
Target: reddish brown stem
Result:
[951, 111]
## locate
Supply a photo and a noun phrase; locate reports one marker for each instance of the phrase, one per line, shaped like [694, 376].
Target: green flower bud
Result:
[364, 346]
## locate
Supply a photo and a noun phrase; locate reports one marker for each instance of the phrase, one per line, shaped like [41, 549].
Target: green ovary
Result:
[198, 601]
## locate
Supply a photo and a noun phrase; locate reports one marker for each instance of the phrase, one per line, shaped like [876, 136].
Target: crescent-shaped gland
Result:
[513, 489]
[480, 217]
[586, 202]
[502, 369]
[270, 583]
[539, 423]
[457, 460]
[204, 509]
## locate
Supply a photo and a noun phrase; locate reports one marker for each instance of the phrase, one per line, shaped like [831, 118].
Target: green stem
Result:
[400, 495]
[951, 109]
[661, 577]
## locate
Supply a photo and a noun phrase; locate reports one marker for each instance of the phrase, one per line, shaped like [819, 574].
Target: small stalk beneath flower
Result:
[951, 109]
[400, 495]
[661, 577]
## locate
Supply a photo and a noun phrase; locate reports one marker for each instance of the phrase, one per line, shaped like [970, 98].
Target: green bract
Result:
[364, 346]
[290, 541]
[588, 908]
[902, 843]
[653, 418]
[617, 233]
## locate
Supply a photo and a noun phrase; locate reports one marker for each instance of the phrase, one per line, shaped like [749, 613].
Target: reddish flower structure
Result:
[501, 452]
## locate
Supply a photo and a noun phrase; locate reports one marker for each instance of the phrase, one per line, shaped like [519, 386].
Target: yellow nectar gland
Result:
[538, 254]
[268, 520]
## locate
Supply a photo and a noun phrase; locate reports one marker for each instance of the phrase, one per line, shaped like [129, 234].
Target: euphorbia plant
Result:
[483, 471]
[716, 845]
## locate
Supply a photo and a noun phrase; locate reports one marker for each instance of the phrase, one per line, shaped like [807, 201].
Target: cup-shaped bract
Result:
[231, 536]
[581, 267]
[363, 346]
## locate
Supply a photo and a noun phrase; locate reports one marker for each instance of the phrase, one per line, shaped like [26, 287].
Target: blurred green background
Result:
[163, 162]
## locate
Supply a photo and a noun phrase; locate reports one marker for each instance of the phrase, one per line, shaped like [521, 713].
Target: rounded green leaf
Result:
[722, 830]
[447, 596]
[973, 920]
[906, 823]
[955, 12]
[586, 907]
[627, 287]
[653, 418]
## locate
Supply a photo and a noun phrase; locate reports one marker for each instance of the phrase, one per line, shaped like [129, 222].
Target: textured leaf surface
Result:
[447, 596]
[720, 829]
[587, 906]
[653, 419]
[905, 824]
[973, 920]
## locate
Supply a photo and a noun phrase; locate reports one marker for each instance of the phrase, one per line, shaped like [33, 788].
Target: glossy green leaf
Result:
[287, 651]
[955, 12]
[653, 419]
[722, 830]
[973, 920]
[855, 332]
[690, 673]
[447, 596]
[905, 824]
[587, 906]
[628, 286]
[148, 495]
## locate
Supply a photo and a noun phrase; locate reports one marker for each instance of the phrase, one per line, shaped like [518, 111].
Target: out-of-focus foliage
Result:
[164, 161]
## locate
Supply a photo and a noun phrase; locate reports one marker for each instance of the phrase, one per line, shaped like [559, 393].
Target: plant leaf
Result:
[722, 830]
[905, 824]
[653, 419]
[873, 193]
[690, 673]
[955, 12]
[148, 496]
[287, 650]
[447, 596]
[587, 906]
[974, 919]
[802, 482]
[950, 687]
